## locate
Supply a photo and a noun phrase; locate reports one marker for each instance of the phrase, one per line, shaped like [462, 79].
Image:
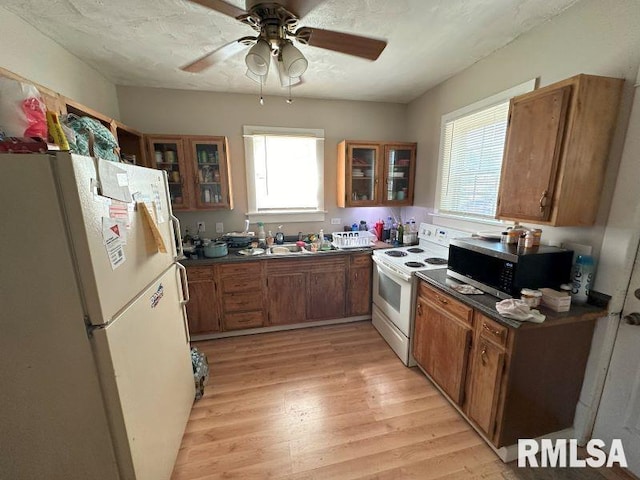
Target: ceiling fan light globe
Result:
[293, 61]
[258, 58]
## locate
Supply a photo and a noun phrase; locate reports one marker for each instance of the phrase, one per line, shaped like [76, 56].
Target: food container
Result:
[215, 249]
[555, 300]
[531, 297]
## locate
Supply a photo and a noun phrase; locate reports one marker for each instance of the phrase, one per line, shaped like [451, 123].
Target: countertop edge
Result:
[486, 304]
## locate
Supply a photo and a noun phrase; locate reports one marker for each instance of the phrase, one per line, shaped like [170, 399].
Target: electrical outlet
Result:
[219, 227]
[336, 221]
[201, 227]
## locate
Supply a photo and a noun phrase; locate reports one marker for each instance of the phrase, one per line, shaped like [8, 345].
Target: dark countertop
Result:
[487, 303]
[234, 256]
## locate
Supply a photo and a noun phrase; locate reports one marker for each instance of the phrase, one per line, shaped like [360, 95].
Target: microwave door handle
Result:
[391, 272]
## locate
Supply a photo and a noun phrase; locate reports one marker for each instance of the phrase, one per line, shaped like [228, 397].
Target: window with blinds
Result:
[471, 150]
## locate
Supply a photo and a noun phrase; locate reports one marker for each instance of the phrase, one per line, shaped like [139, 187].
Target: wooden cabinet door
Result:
[532, 151]
[202, 308]
[326, 291]
[209, 165]
[287, 302]
[441, 347]
[168, 154]
[484, 388]
[398, 174]
[359, 289]
[362, 172]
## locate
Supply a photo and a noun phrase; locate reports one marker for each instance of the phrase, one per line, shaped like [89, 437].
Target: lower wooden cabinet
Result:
[202, 309]
[359, 285]
[441, 344]
[283, 291]
[510, 383]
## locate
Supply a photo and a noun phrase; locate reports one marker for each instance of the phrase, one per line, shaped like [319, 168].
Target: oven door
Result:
[393, 295]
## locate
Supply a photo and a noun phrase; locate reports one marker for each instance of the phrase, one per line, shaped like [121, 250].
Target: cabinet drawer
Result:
[199, 273]
[360, 260]
[240, 283]
[446, 303]
[241, 269]
[492, 330]
[239, 321]
[242, 302]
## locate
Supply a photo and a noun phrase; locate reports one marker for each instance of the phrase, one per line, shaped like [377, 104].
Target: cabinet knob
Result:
[483, 354]
[442, 300]
[497, 333]
[543, 201]
[419, 309]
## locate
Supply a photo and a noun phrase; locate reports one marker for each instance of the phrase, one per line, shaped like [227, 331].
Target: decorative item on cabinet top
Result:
[198, 170]
[375, 173]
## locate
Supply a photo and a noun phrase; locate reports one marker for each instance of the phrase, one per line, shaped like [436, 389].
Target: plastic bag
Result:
[22, 110]
[104, 143]
[200, 371]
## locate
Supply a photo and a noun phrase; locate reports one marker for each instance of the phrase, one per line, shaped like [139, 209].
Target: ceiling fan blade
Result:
[214, 57]
[356, 45]
[222, 7]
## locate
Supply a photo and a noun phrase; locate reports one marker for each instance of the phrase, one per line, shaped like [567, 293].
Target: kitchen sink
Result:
[286, 248]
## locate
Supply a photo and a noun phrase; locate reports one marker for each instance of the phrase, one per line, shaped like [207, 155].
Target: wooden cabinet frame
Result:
[377, 183]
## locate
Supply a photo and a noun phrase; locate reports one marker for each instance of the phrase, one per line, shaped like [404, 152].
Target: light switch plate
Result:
[336, 221]
[201, 227]
[219, 227]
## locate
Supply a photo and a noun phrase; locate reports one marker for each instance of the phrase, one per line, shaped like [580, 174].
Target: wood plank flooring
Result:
[328, 403]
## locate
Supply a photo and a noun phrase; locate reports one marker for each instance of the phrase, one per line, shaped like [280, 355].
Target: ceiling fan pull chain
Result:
[261, 97]
[289, 100]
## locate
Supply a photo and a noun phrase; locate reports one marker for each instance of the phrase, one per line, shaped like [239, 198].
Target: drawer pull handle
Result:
[497, 333]
[483, 355]
[543, 201]
[442, 300]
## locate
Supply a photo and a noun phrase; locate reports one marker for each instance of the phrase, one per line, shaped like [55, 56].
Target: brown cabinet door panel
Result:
[441, 348]
[202, 312]
[532, 151]
[239, 321]
[360, 290]
[326, 294]
[287, 303]
[484, 389]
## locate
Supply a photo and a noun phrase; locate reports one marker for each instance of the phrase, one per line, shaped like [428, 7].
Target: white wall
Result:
[30, 54]
[598, 37]
[153, 110]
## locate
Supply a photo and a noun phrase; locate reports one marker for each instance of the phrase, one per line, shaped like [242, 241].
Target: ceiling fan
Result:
[277, 26]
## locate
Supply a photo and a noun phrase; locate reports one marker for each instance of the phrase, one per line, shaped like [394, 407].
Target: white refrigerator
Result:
[95, 371]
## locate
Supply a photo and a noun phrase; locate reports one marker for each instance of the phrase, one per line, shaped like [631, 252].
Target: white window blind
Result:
[471, 163]
[471, 150]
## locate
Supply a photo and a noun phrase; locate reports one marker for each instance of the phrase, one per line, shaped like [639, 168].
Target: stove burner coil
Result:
[415, 250]
[414, 264]
[436, 261]
[396, 253]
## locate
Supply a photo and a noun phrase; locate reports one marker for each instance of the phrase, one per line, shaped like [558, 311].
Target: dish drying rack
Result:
[356, 239]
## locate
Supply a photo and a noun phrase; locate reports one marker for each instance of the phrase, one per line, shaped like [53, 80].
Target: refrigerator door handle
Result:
[185, 284]
[177, 237]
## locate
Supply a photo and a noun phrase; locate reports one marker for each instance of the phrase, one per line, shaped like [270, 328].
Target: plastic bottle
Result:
[581, 278]
[386, 232]
[406, 237]
[363, 226]
[379, 229]
[393, 234]
[262, 237]
[354, 227]
[400, 234]
[269, 239]
[187, 240]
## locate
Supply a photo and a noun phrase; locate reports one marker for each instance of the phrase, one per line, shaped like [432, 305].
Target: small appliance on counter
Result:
[503, 270]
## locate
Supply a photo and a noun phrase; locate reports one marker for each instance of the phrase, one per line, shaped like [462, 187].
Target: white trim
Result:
[500, 97]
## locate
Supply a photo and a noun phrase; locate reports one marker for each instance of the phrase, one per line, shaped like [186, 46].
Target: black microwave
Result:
[503, 270]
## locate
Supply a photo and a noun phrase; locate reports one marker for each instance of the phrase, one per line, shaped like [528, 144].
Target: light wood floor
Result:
[331, 403]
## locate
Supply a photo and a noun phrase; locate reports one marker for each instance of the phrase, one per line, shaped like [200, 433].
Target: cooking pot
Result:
[215, 249]
[238, 240]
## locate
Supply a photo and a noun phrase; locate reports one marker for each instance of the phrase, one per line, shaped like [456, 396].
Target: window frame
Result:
[284, 215]
[484, 104]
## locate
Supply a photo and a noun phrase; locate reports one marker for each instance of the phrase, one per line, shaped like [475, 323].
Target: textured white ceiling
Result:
[144, 42]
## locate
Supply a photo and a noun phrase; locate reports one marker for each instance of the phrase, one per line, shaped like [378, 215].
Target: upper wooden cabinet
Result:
[556, 151]
[197, 167]
[375, 173]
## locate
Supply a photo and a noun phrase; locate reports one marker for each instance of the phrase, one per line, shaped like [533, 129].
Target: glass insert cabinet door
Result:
[399, 165]
[362, 179]
[210, 173]
[168, 155]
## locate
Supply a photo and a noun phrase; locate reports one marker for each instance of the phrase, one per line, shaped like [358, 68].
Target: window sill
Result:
[286, 216]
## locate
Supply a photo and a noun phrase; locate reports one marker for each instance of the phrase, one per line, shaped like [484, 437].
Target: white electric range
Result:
[394, 284]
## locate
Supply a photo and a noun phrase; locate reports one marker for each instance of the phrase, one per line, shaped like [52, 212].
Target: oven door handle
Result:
[390, 271]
